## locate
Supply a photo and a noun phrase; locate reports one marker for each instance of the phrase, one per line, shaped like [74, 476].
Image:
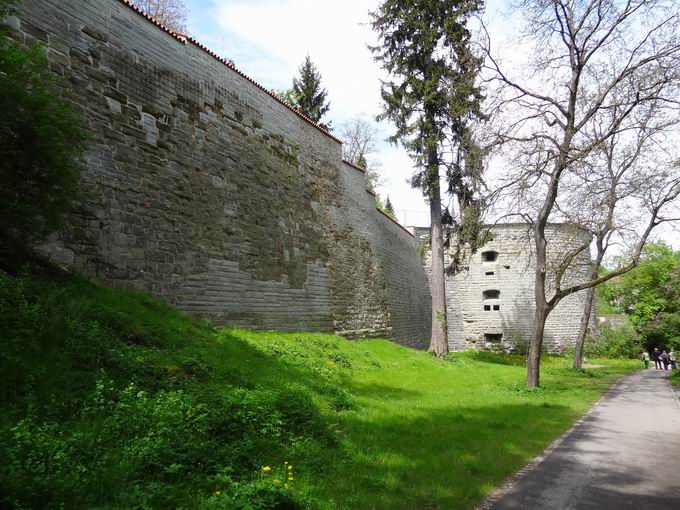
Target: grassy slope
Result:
[113, 399]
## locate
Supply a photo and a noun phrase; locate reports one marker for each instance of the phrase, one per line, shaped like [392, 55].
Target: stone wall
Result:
[507, 322]
[207, 191]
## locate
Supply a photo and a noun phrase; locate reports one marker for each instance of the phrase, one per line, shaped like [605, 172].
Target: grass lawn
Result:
[425, 433]
[112, 399]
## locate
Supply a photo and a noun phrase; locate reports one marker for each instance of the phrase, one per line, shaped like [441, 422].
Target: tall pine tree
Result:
[309, 96]
[389, 210]
[431, 97]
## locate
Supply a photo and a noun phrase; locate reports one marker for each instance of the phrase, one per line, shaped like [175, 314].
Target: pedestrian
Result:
[674, 361]
[664, 359]
[645, 358]
[656, 356]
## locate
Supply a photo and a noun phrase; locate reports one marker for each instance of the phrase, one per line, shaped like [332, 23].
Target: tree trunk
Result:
[438, 341]
[583, 330]
[541, 312]
[534, 356]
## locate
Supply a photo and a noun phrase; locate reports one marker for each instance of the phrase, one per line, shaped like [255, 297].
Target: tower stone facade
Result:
[490, 304]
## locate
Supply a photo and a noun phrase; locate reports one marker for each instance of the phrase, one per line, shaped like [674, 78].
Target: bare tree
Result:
[172, 13]
[359, 144]
[599, 72]
[626, 174]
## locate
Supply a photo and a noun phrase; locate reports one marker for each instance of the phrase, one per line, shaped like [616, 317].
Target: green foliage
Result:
[307, 94]
[289, 96]
[432, 92]
[7, 8]
[432, 98]
[385, 207]
[41, 142]
[389, 210]
[614, 342]
[650, 296]
[111, 399]
[675, 377]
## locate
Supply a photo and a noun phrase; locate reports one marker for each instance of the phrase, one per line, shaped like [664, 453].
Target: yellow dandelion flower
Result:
[276, 482]
[217, 493]
[290, 478]
[290, 467]
[266, 469]
[285, 485]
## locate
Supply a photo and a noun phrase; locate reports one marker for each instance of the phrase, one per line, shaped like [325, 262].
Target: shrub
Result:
[614, 342]
[41, 142]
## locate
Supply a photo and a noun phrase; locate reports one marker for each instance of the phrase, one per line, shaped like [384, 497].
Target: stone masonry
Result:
[490, 305]
[207, 191]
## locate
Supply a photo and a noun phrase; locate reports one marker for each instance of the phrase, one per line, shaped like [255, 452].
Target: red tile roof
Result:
[188, 39]
[356, 167]
[395, 221]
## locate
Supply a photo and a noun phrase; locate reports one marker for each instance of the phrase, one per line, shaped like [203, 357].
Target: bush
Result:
[614, 342]
[41, 143]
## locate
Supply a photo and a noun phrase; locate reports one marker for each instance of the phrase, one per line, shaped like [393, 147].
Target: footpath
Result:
[624, 455]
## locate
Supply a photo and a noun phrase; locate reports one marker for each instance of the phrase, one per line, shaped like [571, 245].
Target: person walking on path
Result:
[664, 359]
[673, 359]
[656, 356]
[645, 358]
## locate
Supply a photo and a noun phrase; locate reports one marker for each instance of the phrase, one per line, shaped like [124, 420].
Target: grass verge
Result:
[111, 399]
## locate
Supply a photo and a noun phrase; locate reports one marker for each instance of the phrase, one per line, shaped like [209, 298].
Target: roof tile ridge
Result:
[394, 221]
[355, 166]
[184, 38]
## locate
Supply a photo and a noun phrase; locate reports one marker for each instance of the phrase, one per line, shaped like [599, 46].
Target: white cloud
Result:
[279, 33]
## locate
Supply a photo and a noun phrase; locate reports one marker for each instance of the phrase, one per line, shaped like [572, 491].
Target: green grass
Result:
[112, 399]
[675, 377]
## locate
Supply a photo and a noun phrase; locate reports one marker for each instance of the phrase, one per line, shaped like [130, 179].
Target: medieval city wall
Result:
[205, 190]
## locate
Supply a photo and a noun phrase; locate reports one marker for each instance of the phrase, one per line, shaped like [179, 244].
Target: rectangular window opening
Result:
[493, 337]
[487, 308]
[489, 273]
[506, 267]
[496, 307]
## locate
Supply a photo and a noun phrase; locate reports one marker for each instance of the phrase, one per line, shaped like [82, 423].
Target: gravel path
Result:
[625, 454]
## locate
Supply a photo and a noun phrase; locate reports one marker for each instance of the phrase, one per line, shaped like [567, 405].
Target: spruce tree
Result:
[389, 210]
[310, 97]
[431, 97]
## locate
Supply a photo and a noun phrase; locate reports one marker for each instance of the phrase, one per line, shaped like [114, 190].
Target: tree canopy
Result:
[307, 94]
[172, 13]
[650, 296]
[431, 97]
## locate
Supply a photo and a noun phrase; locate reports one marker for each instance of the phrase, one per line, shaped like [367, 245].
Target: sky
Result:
[269, 39]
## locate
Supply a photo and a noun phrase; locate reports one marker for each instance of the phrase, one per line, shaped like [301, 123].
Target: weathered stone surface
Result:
[512, 274]
[206, 191]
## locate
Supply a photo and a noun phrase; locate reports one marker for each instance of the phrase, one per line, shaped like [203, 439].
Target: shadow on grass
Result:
[517, 360]
[381, 391]
[445, 458]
